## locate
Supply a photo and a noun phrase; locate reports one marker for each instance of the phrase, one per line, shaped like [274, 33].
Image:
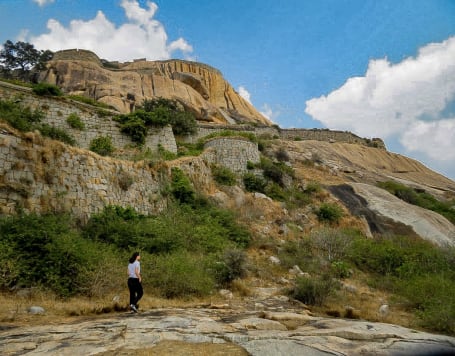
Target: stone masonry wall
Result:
[41, 175]
[233, 153]
[96, 122]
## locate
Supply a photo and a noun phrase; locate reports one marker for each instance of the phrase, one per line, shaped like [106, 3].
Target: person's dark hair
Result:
[133, 257]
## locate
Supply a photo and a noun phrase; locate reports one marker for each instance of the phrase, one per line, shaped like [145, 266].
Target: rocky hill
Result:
[38, 174]
[199, 87]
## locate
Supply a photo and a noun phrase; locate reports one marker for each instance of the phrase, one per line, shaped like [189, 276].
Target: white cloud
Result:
[435, 139]
[245, 94]
[141, 36]
[268, 112]
[405, 100]
[43, 2]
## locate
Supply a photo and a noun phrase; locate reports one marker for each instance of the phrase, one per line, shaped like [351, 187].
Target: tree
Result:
[23, 56]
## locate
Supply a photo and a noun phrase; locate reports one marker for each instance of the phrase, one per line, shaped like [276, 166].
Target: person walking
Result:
[135, 281]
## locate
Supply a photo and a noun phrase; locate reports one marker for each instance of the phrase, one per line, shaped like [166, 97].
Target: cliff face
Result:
[200, 88]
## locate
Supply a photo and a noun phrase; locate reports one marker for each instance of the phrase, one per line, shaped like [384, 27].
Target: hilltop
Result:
[199, 87]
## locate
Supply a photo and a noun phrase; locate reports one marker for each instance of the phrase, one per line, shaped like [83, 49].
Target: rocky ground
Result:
[266, 324]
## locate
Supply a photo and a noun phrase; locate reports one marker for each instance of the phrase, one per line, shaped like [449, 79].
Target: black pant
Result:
[136, 291]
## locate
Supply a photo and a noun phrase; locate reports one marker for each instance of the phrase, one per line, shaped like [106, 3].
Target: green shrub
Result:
[45, 89]
[250, 165]
[282, 155]
[228, 133]
[75, 121]
[341, 269]
[297, 253]
[156, 112]
[181, 187]
[313, 187]
[420, 198]
[189, 149]
[329, 212]
[433, 297]
[254, 183]
[181, 275]
[276, 192]
[223, 175]
[231, 265]
[315, 290]
[102, 145]
[135, 128]
[56, 134]
[43, 252]
[114, 225]
[22, 119]
[165, 154]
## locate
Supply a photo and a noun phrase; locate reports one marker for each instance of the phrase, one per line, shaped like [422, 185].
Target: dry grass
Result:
[364, 303]
[14, 309]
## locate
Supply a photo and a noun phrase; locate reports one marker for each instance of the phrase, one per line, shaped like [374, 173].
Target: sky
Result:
[377, 68]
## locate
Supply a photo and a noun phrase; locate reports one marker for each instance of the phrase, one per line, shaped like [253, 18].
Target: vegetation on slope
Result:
[189, 249]
[420, 275]
[420, 198]
[24, 119]
[156, 112]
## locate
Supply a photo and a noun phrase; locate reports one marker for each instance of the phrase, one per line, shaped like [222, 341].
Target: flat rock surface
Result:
[199, 331]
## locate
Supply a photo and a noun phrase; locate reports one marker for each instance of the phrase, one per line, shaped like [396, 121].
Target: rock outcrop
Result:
[221, 332]
[198, 87]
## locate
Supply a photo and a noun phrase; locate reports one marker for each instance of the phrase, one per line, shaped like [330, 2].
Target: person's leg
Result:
[140, 293]
[131, 288]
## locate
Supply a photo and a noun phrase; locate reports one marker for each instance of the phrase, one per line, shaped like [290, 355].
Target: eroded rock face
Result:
[200, 88]
[386, 213]
[221, 332]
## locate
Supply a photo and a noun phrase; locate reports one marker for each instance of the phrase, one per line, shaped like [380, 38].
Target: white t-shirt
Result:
[132, 269]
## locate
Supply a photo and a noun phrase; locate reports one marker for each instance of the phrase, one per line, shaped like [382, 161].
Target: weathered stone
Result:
[199, 87]
[173, 331]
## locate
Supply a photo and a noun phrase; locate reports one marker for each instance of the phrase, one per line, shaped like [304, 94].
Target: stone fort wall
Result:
[98, 122]
[41, 175]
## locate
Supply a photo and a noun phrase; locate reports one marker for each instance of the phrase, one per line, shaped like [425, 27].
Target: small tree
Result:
[23, 56]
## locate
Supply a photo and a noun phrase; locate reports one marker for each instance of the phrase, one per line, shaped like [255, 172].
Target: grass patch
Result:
[421, 198]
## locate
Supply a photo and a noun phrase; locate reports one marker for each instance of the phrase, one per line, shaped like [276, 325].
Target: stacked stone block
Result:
[97, 122]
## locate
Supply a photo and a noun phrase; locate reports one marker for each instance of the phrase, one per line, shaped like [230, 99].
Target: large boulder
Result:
[198, 87]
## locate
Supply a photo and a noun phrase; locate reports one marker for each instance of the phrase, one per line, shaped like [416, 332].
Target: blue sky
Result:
[378, 68]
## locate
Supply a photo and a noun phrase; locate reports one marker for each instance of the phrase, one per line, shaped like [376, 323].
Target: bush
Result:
[181, 275]
[156, 112]
[56, 134]
[282, 155]
[75, 122]
[314, 291]
[230, 266]
[43, 252]
[223, 175]
[420, 198]
[165, 154]
[181, 187]
[329, 212]
[340, 269]
[44, 89]
[22, 119]
[254, 183]
[332, 244]
[102, 145]
[433, 297]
